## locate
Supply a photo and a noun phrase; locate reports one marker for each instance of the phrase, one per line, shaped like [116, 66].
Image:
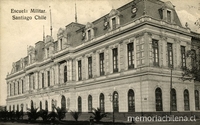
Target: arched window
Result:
[89, 103]
[31, 104]
[115, 102]
[101, 98]
[9, 108]
[196, 92]
[65, 74]
[173, 99]
[79, 104]
[17, 107]
[52, 105]
[22, 107]
[131, 101]
[63, 103]
[186, 100]
[13, 107]
[158, 95]
[46, 105]
[40, 105]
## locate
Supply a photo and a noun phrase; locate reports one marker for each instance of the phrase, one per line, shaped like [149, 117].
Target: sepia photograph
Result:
[100, 62]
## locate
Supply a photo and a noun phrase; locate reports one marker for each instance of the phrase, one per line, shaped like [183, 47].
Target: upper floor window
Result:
[169, 16]
[115, 60]
[22, 86]
[114, 23]
[48, 78]
[89, 34]
[65, 74]
[18, 87]
[130, 55]
[170, 55]
[47, 52]
[42, 80]
[60, 44]
[89, 67]
[155, 53]
[79, 70]
[101, 58]
[193, 58]
[183, 59]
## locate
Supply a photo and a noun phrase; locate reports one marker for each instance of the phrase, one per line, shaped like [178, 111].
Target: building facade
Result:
[121, 62]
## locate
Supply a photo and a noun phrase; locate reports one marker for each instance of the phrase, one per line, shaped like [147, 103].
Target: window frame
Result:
[79, 70]
[158, 99]
[102, 102]
[79, 104]
[101, 64]
[115, 101]
[183, 58]
[170, 56]
[115, 59]
[155, 47]
[89, 103]
[90, 67]
[174, 100]
[131, 101]
[186, 100]
[65, 74]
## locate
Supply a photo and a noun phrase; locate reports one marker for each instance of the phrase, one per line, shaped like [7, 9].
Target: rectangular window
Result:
[47, 52]
[14, 88]
[169, 16]
[130, 56]
[155, 52]
[193, 58]
[89, 67]
[183, 59]
[22, 86]
[170, 55]
[18, 87]
[114, 23]
[48, 78]
[89, 34]
[79, 70]
[42, 80]
[33, 81]
[101, 58]
[60, 44]
[115, 60]
[10, 89]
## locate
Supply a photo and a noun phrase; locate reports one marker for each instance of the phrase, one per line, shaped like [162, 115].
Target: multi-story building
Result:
[124, 61]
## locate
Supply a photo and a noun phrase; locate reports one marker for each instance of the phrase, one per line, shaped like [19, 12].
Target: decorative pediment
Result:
[114, 12]
[89, 25]
[49, 39]
[31, 49]
[169, 5]
[60, 31]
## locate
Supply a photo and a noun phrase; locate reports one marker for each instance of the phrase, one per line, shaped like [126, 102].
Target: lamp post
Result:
[171, 91]
[111, 100]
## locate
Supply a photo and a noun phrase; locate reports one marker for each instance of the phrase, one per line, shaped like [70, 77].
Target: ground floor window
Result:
[131, 101]
[158, 95]
[186, 100]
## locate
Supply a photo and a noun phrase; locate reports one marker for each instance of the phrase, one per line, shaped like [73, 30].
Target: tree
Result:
[192, 70]
[43, 114]
[98, 115]
[33, 114]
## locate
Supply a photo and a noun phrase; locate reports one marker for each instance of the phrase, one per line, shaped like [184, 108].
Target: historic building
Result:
[124, 61]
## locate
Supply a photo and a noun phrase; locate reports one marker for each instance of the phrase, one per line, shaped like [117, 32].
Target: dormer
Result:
[114, 19]
[62, 39]
[48, 46]
[167, 12]
[89, 31]
[22, 63]
[31, 54]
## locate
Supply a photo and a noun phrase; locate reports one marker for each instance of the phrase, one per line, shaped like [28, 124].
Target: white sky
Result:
[16, 35]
